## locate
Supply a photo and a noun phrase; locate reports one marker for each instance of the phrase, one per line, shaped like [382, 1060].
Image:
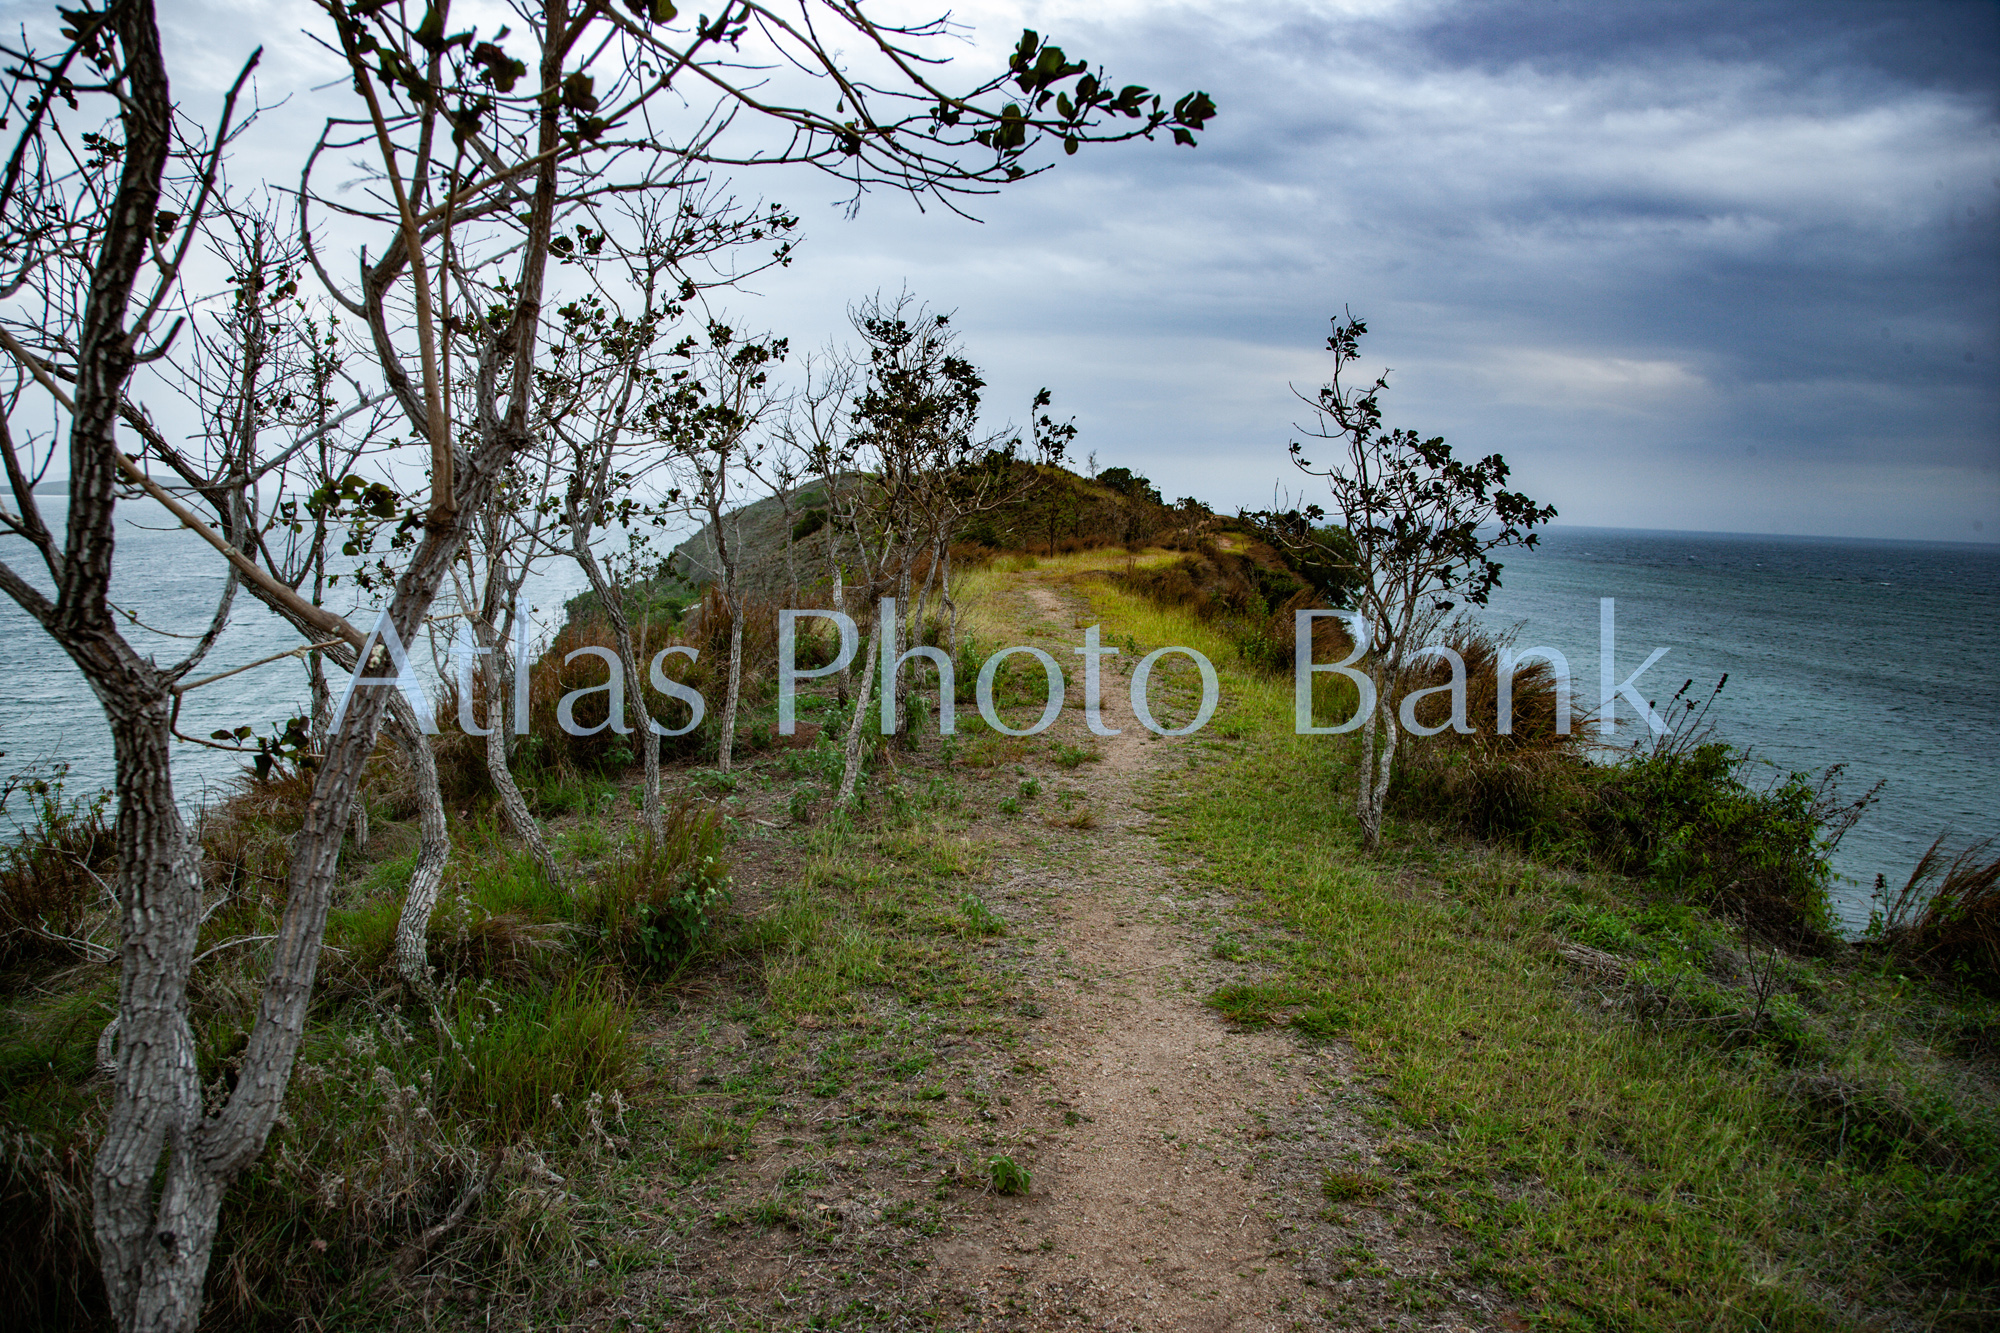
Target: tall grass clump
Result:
[658, 904]
[1519, 788]
[53, 874]
[1945, 921]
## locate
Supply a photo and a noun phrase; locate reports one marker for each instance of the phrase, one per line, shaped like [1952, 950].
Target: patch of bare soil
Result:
[1179, 1166]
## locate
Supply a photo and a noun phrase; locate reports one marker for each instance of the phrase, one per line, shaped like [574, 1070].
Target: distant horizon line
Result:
[1980, 543]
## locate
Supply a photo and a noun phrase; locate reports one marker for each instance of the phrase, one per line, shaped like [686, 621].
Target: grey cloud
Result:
[1623, 243]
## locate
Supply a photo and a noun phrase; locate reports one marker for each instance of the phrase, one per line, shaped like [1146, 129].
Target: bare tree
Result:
[499, 556]
[718, 404]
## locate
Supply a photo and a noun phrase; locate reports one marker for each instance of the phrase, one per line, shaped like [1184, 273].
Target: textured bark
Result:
[850, 773]
[163, 1166]
[612, 599]
[512, 804]
[433, 847]
[1378, 755]
[733, 694]
[950, 602]
[153, 1250]
[840, 605]
[732, 601]
[899, 639]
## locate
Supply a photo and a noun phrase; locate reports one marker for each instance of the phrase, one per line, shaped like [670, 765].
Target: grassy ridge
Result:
[1615, 1173]
[1639, 1119]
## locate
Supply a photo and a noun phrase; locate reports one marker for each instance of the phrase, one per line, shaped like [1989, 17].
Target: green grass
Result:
[1612, 1173]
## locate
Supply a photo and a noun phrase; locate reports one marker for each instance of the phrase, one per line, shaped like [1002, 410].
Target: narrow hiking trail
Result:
[1179, 1163]
[1181, 1183]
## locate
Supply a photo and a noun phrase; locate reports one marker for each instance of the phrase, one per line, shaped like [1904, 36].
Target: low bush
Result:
[1945, 921]
[1687, 814]
[656, 906]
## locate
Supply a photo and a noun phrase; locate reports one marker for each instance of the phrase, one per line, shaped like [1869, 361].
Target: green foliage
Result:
[1687, 814]
[657, 906]
[1686, 819]
[980, 919]
[1321, 557]
[1074, 756]
[1264, 1004]
[811, 521]
[1347, 1186]
[1247, 594]
[1007, 1176]
[531, 1059]
[1129, 483]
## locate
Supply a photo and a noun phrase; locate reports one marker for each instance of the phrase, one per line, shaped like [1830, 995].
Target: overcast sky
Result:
[1715, 266]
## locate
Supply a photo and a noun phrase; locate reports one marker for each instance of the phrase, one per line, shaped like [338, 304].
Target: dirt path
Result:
[1179, 1165]
[1178, 1182]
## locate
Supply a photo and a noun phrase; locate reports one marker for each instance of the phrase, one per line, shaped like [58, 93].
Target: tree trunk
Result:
[950, 602]
[153, 1251]
[899, 640]
[922, 611]
[612, 598]
[413, 962]
[512, 804]
[1378, 755]
[840, 605]
[726, 746]
[851, 772]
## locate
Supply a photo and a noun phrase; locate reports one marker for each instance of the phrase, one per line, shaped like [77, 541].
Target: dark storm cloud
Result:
[1826, 44]
[1623, 243]
[1626, 244]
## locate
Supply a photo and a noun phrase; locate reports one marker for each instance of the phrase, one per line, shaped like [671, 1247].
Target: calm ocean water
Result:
[1883, 656]
[1878, 655]
[170, 580]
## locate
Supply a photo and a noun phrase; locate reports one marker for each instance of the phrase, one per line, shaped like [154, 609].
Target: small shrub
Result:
[1073, 756]
[55, 873]
[713, 781]
[979, 918]
[657, 906]
[1007, 1176]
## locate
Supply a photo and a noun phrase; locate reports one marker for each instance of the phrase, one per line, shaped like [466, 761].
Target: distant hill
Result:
[1058, 510]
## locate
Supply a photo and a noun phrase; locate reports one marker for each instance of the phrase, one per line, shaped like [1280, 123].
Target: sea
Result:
[169, 581]
[1881, 656]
